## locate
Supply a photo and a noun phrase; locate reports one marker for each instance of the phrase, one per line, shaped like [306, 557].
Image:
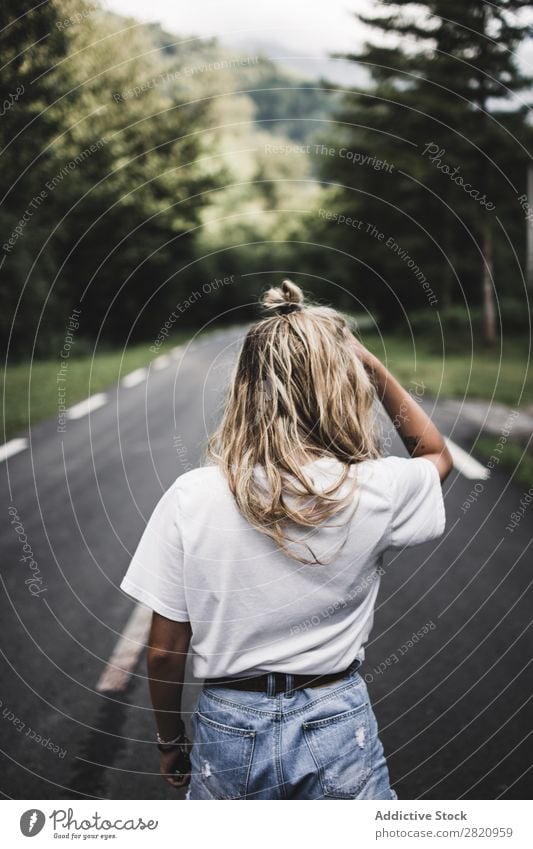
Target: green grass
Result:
[491, 374]
[511, 458]
[487, 374]
[31, 390]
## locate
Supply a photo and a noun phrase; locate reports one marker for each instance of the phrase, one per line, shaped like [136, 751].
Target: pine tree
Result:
[434, 113]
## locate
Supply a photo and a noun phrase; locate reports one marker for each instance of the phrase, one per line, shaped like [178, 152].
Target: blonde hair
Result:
[298, 392]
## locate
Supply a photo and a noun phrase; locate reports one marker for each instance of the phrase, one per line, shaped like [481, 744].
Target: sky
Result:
[312, 25]
[299, 33]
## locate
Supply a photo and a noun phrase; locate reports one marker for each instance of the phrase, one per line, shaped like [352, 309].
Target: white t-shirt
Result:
[252, 608]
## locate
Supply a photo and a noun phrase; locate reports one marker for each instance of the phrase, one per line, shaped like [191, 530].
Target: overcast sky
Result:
[299, 33]
[312, 25]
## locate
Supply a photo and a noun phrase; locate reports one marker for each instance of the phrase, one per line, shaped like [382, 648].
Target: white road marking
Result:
[464, 463]
[161, 362]
[126, 652]
[87, 406]
[134, 377]
[12, 447]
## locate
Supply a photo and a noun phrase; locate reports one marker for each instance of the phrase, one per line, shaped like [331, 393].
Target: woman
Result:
[268, 563]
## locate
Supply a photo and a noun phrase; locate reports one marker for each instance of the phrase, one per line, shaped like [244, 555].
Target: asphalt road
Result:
[454, 706]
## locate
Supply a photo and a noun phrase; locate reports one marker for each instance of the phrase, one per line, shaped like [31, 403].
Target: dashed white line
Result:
[12, 447]
[87, 406]
[464, 463]
[126, 652]
[161, 362]
[134, 377]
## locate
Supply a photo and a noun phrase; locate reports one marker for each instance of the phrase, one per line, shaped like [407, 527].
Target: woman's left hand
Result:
[369, 360]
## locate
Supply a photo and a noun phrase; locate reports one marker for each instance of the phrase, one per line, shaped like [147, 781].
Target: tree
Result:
[132, 207]
[102, 176]
[456, 158]
[30, 44]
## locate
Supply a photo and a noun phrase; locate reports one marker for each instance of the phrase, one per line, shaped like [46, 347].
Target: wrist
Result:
[373, 364]
[169, 741]
[376, 371]
[166, 746]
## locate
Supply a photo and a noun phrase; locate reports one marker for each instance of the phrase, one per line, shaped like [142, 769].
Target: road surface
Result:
[454, 705]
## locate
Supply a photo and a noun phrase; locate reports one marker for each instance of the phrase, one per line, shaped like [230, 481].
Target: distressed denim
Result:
[313, 743]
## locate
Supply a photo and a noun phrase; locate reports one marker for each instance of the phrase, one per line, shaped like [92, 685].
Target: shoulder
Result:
[415, 467]
[412, 480]
[198, 482]
[383, 468]
[192, 493]
[402, 473]
[394, 465]
[199, 475]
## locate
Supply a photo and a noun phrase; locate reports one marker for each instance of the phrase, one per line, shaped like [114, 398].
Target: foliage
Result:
[432, 116]
[169, 161]
[117, 160]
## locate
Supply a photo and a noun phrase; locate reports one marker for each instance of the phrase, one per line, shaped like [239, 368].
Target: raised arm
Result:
[416, 430]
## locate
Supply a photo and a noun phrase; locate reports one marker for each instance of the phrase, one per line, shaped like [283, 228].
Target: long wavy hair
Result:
[298, 392]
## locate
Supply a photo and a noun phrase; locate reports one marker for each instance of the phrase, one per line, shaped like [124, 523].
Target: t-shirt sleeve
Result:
[417, 504]
[155, 574]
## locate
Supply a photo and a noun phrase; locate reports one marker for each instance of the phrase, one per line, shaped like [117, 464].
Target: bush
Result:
[459, 325]
[515, 314]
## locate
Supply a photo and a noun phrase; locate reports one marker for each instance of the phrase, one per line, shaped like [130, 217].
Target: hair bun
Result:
[283, 299]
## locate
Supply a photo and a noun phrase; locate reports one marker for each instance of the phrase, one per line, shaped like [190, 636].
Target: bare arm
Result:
[416, 430]
[167, 652]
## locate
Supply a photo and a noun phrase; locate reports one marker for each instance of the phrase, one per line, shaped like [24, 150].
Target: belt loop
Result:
[271, 685]
[289, 685]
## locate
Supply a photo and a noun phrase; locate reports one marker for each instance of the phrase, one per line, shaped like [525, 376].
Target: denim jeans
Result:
[313, 743]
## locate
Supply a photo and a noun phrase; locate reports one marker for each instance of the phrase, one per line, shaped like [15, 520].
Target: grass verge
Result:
[502, 376]
[514, 459]
[30, 390]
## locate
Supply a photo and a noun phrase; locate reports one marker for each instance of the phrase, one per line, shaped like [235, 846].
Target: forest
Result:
[138, 165]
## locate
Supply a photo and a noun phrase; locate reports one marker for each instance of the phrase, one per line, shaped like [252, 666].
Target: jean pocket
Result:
[341, 749]
[223, 756]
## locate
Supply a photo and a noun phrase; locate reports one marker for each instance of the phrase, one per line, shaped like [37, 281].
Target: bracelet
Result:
[176, 739]
[168, 747]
